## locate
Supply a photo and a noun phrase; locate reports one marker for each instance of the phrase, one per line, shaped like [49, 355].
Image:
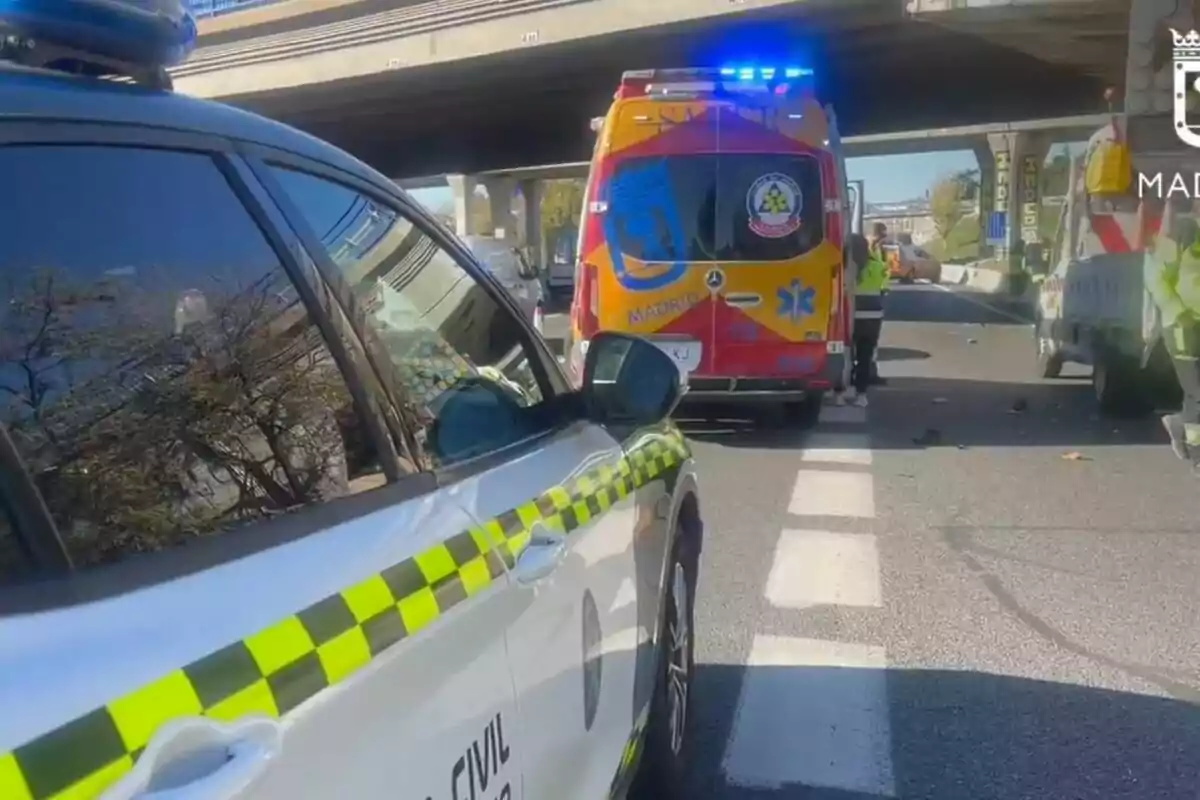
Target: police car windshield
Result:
[730, 207]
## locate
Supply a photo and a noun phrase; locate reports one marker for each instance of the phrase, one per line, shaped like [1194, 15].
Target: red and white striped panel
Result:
[1108, 233]
[1112, 233]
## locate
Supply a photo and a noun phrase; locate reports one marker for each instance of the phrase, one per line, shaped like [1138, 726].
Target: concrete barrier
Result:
[985, 280]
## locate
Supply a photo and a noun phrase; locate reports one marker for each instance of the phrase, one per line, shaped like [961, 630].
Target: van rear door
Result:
[774, 269]
[659, 206]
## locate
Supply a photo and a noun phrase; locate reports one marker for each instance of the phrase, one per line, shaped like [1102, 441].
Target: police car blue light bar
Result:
[146, 34]
[750, 73]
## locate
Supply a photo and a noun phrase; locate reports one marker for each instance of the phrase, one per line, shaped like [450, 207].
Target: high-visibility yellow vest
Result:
[1172, 277]
[873, 278]
[868, 292]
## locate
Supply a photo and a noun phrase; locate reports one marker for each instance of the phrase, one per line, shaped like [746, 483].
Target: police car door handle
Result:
[201, 759]
[545, 551]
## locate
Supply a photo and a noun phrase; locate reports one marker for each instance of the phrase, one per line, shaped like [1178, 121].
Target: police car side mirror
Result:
[627, 380]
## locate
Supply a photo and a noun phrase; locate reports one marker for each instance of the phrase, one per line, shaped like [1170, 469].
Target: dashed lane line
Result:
[837, 448]
[813, 713]
[816, 568]
[826, 493]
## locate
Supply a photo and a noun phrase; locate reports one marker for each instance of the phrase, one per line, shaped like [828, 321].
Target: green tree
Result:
[947, 199]
[480, 211]
[1055, 176]
[562, 206]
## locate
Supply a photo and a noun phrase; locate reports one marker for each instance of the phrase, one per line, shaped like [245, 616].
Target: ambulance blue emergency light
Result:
[752, 73]
[138, 39]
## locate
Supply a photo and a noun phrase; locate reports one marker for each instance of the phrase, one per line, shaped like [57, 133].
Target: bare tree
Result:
[140, 438]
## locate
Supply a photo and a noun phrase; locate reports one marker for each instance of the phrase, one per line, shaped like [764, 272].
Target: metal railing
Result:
[203, 9]
[367, 29]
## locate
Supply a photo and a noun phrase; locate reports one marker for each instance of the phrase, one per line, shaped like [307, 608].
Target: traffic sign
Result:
[997, 227]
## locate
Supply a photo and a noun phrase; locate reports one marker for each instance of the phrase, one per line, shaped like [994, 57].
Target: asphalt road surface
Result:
[975, 589]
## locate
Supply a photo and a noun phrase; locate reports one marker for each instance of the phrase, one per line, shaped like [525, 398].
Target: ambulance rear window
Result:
[729, 207]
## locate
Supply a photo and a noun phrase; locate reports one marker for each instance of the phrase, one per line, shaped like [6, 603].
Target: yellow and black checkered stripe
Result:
[278, 668]
[629, 757]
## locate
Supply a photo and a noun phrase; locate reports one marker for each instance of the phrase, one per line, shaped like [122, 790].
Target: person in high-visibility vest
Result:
[1172, 277]
[879, 235]
[871, 283]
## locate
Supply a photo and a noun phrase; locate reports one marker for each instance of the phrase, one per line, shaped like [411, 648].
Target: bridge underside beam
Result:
[973, 137]
[882, 72]
[1090, 36]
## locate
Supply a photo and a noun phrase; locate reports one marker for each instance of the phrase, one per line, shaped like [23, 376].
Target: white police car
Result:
[296, 504]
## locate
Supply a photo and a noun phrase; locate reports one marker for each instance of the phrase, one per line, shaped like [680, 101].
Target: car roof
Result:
[34, 94]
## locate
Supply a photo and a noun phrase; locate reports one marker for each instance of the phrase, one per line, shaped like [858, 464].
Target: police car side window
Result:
[158, 374]
[458, 355]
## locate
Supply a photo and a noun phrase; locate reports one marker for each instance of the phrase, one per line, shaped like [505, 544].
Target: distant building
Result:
[910, 216]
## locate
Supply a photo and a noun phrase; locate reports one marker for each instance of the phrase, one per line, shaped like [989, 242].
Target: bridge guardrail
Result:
[206, 9]
[383, 25]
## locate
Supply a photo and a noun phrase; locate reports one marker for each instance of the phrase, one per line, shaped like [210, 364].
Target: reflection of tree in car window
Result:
[160, 382]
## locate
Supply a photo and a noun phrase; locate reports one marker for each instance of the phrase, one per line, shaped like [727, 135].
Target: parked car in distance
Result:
[909, 262]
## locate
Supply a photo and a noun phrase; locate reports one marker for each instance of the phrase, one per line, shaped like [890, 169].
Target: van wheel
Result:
[662, 767]
[1119, 387]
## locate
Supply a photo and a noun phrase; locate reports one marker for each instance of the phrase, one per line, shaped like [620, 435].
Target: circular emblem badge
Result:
[714, 279]
[774, 202]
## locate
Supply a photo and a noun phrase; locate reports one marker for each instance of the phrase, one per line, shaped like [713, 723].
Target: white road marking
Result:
[838, 448]
[816, 568]
[813, 713]
[849, 415]
[823, 493]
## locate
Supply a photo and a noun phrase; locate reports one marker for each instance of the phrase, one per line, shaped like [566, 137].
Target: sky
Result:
[886, 179]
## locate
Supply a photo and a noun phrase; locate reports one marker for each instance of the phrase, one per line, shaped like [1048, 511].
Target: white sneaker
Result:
[861, 401]
[839, 399]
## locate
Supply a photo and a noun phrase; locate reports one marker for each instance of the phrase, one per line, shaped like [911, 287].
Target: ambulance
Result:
[714, 224]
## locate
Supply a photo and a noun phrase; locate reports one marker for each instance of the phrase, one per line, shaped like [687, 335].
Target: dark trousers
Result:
[1184, 347]
[866, 339]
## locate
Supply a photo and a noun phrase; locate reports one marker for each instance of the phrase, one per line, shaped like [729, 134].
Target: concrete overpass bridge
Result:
[472, 85]
[478, 88]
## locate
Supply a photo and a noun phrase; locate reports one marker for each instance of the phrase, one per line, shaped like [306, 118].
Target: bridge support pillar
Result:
[500, 191]
[463, 189]
[1010, 175]
[531, 219]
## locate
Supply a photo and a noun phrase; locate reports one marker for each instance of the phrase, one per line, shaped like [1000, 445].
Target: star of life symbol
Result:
[795, 300]
[1187, 81]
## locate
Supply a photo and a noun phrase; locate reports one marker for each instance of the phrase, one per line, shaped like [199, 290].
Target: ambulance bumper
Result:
[746, 389]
